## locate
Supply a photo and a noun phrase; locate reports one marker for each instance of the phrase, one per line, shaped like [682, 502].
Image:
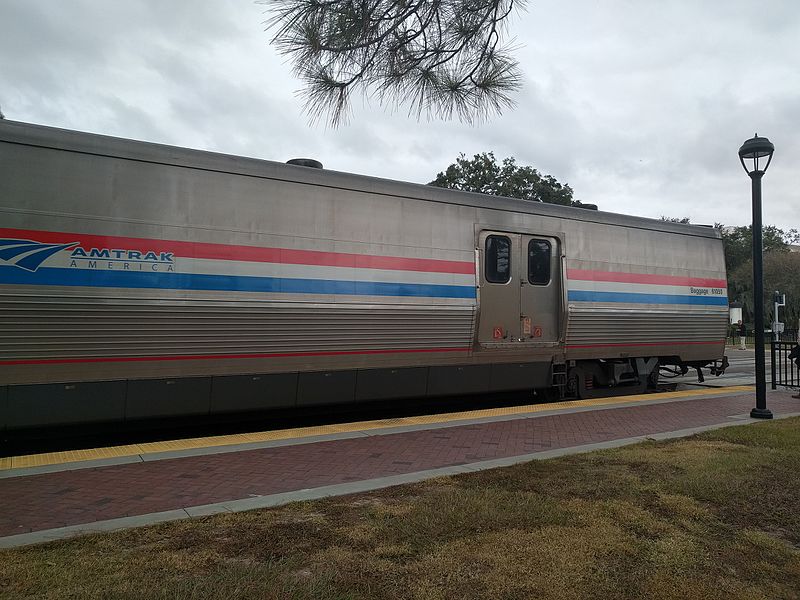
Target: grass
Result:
[716, 516]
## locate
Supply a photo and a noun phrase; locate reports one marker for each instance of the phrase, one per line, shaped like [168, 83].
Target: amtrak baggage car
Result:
[140, 280]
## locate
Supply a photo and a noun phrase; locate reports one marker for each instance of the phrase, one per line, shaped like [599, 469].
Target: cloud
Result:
[639, 106]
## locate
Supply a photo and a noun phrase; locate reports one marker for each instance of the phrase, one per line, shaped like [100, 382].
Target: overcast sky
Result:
[640, 105]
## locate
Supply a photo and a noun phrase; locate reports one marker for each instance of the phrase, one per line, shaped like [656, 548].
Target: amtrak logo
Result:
[27, 254]
[30, 255]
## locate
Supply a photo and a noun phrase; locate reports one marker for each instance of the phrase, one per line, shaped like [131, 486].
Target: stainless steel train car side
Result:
[139, 280]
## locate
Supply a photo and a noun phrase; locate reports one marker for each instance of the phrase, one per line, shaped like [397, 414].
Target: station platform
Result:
[57, 495]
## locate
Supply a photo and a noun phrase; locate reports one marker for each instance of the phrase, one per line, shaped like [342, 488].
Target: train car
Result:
[142, 281]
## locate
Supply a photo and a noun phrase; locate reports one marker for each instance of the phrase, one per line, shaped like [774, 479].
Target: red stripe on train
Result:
[246, 253]
[614, 276]
[678, 343]
[54, 361]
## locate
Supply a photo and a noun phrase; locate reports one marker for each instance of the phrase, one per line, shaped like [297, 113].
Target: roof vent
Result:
[305, 162]
[579, 204]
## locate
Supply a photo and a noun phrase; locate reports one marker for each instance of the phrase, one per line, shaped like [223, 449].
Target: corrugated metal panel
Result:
[37, 327]
[615, 325]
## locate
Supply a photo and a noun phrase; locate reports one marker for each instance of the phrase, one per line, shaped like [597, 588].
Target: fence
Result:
[785, 370]
[789, 335]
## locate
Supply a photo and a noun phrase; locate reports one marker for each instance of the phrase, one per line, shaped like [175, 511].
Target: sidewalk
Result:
[60, 500]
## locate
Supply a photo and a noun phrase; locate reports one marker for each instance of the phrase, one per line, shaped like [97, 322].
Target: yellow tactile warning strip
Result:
[54, 458]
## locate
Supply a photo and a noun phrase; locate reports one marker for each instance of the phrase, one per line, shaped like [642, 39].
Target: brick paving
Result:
[46, 501]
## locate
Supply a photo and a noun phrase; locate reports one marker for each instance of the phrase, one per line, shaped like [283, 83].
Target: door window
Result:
[539, 252]
[498, 259]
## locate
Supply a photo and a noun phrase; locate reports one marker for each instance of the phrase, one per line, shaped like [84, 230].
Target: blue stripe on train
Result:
[590, 296]
[228, 283]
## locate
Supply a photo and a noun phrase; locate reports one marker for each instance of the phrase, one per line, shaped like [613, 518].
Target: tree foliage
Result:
[781, 269]
[443, 58]
[781, 273]
[483, 174]
[738, 242]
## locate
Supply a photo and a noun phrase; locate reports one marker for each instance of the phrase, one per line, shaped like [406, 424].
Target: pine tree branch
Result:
[439, 57]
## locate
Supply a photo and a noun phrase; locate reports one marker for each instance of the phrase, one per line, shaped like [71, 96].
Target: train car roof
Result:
[17, 132]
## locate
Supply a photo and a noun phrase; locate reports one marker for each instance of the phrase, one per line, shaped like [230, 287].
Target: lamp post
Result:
[753, 150]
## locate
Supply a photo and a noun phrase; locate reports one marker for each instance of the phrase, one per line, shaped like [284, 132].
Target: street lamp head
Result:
[751, 151]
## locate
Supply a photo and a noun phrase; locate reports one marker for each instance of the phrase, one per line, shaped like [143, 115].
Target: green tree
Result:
[444, 58]
[781, 273]
[684, 220]
[485, 175]
[781, 269]
[738, 242]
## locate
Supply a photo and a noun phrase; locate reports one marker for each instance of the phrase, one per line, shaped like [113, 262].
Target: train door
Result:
[499, 288]
[520, 289]
[540, 288]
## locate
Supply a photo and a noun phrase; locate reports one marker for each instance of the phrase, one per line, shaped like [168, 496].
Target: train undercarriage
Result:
[603, 378]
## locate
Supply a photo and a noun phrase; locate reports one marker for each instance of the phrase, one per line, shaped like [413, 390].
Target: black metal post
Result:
[773, 361]
[760, 411]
